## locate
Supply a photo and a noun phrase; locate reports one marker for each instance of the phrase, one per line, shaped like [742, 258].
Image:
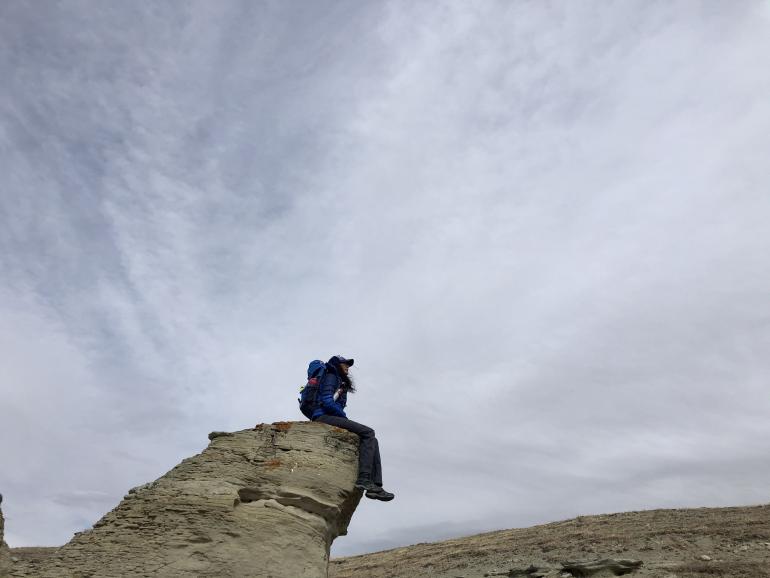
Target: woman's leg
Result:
[367, 448]
[369, 466]
[377, 465]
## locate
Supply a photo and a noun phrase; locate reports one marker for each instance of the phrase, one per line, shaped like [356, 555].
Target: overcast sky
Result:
[540, 228]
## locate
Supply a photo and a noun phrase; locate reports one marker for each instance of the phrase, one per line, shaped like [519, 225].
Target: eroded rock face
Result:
[265, 502]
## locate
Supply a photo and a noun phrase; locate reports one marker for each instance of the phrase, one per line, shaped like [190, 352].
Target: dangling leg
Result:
[376, 465]
[366, 447]
[369, 466]
[379, 493]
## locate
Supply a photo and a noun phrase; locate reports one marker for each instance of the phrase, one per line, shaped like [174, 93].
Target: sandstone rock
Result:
[5, 556]
[264, 502]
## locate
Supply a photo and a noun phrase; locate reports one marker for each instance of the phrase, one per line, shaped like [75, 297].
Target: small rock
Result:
[705, 558]
[743, 549]
[14, 559]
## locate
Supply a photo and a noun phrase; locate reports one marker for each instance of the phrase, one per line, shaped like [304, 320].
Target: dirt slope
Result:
[684, 543]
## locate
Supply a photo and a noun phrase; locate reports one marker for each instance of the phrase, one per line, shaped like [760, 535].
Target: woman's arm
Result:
[328, 404]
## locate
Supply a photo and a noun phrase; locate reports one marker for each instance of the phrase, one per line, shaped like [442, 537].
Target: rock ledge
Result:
[267, 501]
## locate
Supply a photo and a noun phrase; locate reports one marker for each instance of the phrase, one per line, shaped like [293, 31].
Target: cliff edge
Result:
[266, 502]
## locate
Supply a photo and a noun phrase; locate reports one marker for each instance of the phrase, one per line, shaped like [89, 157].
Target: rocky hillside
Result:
[693, 543]
[262, 502]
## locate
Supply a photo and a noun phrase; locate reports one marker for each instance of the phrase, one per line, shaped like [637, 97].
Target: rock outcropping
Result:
[266, 502]
[5, 557]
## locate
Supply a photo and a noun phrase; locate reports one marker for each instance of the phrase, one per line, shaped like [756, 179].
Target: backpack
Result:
[308, 393]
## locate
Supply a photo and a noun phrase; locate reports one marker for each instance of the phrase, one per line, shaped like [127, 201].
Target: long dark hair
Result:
[347, 382]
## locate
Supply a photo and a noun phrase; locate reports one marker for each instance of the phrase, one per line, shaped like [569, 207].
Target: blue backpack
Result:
[308, 393]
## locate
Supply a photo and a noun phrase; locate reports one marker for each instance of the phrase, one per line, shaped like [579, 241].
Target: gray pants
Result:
[369, 466]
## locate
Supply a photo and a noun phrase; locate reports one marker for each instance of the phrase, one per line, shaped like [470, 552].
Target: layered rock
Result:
[265, 502]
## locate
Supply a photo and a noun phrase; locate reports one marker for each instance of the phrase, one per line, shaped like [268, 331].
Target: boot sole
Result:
[374, 496]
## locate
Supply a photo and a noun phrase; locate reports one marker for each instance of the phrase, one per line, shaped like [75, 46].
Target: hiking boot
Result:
[378, 493]
[366, 485]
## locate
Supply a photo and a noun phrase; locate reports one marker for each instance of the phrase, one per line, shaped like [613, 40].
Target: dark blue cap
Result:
[338, 359]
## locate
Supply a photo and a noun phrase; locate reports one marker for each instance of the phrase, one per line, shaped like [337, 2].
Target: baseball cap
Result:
[341, 359]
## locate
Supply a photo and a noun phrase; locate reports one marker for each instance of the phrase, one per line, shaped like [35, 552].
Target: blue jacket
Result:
[327, 405]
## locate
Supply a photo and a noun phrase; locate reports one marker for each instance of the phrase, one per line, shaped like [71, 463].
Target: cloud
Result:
[539, 229]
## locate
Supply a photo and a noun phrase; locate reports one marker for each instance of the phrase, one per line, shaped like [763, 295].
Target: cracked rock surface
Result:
[265, 502]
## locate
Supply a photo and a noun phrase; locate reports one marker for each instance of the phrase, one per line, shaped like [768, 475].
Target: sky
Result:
[539, 228]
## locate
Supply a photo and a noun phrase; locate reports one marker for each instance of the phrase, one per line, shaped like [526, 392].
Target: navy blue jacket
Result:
[327, 405]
